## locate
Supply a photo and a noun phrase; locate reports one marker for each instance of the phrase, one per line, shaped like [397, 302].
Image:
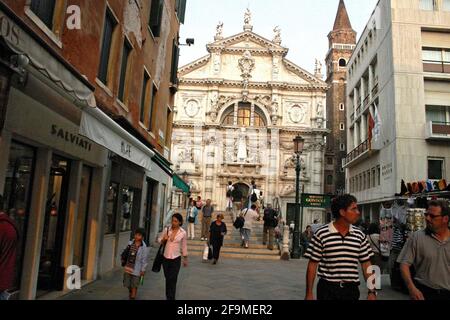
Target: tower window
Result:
[342, 126]
[342, 62]
[341, 107]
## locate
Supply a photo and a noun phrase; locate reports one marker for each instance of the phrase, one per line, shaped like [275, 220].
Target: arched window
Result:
[244, 116]
[342, 62]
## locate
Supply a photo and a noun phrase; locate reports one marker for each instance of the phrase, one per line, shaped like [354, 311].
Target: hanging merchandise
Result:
[415, 220]
[386, 230]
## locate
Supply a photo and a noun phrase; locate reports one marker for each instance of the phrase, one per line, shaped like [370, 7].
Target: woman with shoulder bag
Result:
[175, 240]
[192, 214]
[374, 240]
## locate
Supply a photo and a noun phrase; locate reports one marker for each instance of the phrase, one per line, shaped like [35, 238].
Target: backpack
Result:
[269, 216]
[124, 255]
[240, 221]
[254, 197]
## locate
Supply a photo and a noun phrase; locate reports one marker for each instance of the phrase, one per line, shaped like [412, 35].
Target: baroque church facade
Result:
[236, 114]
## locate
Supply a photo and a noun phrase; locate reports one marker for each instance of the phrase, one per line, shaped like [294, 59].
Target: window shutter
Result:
[156, 16]
[45, 10]
[175, 59]
[181, 10]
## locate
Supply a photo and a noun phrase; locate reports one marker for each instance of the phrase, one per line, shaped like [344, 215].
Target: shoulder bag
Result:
[159, 256]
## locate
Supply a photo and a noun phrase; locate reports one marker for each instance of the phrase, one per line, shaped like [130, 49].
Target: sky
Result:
[304, 24]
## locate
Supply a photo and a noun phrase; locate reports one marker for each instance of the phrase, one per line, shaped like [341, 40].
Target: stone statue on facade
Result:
[318, 69]
[319, 111]
[277, 35]
[219, 31]
[248, 17]
[242, 154]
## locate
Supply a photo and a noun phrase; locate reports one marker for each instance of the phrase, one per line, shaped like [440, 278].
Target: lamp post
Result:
[298, 149]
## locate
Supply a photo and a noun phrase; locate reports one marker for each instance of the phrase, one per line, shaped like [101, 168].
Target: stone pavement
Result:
[231, 279]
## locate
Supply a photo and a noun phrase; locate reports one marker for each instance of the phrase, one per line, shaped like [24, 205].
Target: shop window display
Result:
[18, 184]
[128, 195]
[110, 208]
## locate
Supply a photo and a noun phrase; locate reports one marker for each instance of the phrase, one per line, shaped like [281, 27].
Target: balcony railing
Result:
[436, 66]
[375, 89]
[366, 100]
[359, 150]
[352, 117]
[436, 130]
[358, 110]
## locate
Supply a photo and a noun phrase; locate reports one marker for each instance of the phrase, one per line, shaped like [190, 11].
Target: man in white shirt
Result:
[250, 215]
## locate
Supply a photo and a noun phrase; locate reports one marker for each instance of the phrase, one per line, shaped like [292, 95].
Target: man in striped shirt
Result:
[335, 252]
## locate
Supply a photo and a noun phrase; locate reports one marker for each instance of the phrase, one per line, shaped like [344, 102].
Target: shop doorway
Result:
[51, 274]
[148, 209]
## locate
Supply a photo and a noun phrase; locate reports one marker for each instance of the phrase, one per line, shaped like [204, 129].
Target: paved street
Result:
[229, 280]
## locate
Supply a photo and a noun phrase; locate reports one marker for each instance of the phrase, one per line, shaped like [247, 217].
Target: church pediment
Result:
[247, 40]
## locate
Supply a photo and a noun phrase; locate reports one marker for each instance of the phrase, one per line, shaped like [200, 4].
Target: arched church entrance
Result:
[241, 191]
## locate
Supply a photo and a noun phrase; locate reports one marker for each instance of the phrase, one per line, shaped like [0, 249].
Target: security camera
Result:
[190, 41]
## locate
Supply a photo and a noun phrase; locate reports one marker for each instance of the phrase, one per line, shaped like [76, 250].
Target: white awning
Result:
[42, 61]
[100, 128]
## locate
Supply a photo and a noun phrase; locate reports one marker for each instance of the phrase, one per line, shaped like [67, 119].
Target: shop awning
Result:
[100, 128]
[180, 184]
[43, 60]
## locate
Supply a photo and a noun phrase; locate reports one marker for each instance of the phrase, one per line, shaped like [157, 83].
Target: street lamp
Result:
[299, 142]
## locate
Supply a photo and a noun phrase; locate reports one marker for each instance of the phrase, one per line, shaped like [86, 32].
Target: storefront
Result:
[51, 177]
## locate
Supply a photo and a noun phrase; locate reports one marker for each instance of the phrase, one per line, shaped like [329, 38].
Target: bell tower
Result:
[342, 42]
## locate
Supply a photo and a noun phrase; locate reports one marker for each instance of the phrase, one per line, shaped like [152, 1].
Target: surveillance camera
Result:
[190, 41]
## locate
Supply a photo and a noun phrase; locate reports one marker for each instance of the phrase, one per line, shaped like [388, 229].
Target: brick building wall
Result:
[82, 49]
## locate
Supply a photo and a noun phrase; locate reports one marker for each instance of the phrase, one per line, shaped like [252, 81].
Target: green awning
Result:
[180, 184]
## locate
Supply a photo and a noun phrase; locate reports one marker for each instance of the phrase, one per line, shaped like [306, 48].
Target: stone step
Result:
[230, 244]
[249, 251]
[242, 256]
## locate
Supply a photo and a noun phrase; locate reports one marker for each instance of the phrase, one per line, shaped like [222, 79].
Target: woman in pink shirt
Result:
[175, 239]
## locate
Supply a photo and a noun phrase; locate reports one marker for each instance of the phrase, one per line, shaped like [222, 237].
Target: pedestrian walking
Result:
[250, 215]
[428, 251]
[175, 239]
[217, 233]
[199, 203]
[207, 212]
[316, 225]
[373, 232]
[229, 195]
[9, 237]
[305, 238]
[252, 197]
[192, 214]
[135, 261]
[334, 253]
[270, 223]
[399, 238]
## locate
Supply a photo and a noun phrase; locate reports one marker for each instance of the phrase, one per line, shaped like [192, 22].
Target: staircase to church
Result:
[232, 242]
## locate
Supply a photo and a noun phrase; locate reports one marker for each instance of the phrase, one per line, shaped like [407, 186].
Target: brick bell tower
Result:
[342, 42]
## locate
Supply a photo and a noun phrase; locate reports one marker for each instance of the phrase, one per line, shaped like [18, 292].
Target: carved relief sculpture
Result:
[247, 65]
[192, 108]
[297, 113]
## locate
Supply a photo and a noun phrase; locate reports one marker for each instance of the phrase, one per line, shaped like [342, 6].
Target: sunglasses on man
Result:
[433, 216]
